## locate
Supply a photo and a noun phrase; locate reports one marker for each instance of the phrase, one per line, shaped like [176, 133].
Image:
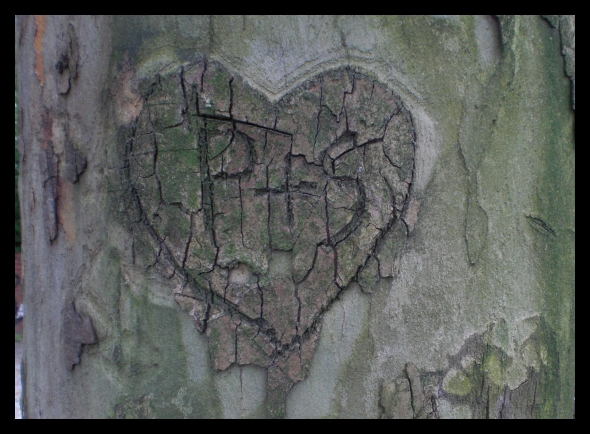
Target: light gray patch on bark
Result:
[489, 39]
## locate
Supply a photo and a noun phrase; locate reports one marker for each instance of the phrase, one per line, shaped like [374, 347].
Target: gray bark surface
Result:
[304, 217]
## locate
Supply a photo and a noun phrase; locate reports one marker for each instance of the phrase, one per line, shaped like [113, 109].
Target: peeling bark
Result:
[238, 171]
[368, 216]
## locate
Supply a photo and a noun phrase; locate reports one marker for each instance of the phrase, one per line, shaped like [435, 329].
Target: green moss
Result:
[177, 139]
[214, 345]
[459, 384]
[494, 369]
[220, 84]
[148, 41]
[153, 361]
[555, 204]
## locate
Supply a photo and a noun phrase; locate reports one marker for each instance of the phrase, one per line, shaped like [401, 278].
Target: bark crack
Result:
[261, 195]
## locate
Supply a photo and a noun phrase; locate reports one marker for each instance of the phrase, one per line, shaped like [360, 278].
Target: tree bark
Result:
[298, 216]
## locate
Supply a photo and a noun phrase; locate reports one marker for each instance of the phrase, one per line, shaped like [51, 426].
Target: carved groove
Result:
[266, 212]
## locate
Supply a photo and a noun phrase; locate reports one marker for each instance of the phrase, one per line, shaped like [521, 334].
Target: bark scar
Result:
[77, 332]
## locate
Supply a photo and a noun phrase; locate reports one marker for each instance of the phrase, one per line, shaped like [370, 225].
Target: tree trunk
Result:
[298, 216]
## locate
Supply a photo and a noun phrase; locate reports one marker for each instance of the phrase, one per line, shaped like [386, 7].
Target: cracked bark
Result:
[338, 186]
[151, 174]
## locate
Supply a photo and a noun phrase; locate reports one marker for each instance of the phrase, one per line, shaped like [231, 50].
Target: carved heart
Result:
[267, 211]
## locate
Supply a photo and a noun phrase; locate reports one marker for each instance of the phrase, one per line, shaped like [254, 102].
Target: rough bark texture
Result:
[298, 216]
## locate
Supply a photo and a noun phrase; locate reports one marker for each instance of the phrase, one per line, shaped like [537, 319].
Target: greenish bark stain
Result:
[486, 102]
